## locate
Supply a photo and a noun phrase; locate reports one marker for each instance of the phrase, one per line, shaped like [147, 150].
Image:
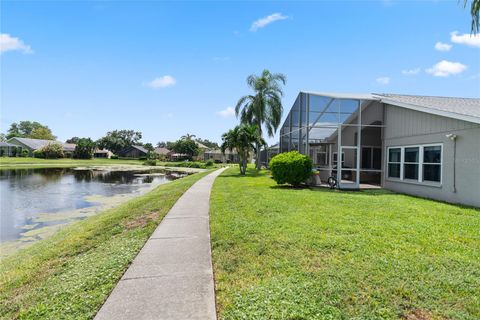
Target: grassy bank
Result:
[282, 253]
[69, 275]
[19, 163]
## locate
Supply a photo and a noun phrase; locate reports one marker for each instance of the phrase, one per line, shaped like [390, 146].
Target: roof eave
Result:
[432, 111]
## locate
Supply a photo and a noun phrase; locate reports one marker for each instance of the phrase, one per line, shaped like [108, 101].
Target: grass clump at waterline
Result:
[70, 274]
[287, 253]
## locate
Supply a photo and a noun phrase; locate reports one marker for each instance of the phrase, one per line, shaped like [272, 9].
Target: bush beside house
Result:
[291, 167]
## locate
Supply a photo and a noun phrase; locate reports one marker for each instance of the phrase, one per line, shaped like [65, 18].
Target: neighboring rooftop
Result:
[6, 144]
[35, 144]
[162, 151]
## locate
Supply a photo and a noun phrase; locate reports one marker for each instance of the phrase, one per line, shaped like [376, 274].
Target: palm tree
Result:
[264, 107]
[188, 136]
[475, 13]
[243, 139]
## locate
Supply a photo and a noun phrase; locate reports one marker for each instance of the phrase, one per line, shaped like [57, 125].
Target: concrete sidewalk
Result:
[172, 276]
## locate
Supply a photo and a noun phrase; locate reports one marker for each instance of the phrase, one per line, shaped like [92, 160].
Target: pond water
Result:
[32, 200]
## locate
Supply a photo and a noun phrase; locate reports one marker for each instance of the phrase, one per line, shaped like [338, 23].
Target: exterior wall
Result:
[24, 146]
[405, 127]
[133, 153]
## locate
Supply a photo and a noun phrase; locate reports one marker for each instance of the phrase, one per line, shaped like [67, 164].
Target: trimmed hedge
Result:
[291, 167]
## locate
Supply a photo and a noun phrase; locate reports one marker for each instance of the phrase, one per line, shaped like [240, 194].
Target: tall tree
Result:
[73, 140]
[30, 129]
[243, 138]
[264, 107]
[188, 136]
[187, 147]
[84, 149]
[117, 140]
[165, 144]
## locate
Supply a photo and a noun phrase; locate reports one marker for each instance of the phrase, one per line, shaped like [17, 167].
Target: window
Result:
[335, 156]
[394, 162]
[410, 166]
[432, 163]
[371, 158]
[320, 155]
[419, 163]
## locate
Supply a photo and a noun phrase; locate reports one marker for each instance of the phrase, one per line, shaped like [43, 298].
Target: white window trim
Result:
[420, 179]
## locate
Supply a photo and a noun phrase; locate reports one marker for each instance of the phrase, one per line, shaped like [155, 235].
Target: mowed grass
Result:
[283, 253]
[69, 275]
[12, 162]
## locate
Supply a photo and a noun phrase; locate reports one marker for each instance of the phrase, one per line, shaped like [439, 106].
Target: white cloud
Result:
[383, 80]
[440, 46]
[265, 21]
[445, 68]
[162, 82]
[9, 43]
[226, 113]
[467, 39]
[411, 72]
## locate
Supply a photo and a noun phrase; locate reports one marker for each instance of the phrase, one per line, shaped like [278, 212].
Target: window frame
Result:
[420, 163]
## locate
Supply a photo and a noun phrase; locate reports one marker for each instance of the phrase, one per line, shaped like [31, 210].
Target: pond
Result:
[36, 202]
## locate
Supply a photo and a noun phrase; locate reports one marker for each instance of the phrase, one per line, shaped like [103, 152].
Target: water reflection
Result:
[27, 194]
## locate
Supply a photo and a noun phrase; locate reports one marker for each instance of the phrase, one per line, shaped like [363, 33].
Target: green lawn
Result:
[283, 253]
[19, 163]
[15, 163]
[69, 275]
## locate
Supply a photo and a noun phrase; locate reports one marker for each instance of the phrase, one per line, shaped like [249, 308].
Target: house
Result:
[8, 149]
[134, 152]
[217, 156]
[34, 144]
[420, 145]
[102, 153]
[162, 153]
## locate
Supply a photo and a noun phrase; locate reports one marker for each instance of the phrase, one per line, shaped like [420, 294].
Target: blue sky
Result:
[168, 68]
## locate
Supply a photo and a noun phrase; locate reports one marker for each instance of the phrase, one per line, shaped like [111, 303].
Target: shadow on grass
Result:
[251, 173]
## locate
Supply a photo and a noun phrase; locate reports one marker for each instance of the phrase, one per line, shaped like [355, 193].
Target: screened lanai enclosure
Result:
[341, 133]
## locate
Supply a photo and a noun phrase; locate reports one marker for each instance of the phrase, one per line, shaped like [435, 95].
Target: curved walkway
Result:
[172, 276]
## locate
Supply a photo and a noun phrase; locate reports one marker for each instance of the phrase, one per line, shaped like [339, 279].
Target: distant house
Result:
[7, 149]
[133, 152]
[102, 153]
[34, 144]
[218, 157]
[162, 152]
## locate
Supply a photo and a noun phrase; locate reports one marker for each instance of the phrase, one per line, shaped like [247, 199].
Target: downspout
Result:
[454, 165]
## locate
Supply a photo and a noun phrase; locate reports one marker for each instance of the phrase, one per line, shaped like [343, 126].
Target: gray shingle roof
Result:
[36, 144]
[140, 148]
[162, 151]
[455, 107]
[6, 144]
[33, 144]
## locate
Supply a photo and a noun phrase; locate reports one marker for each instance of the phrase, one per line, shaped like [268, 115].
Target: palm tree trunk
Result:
[257, 160]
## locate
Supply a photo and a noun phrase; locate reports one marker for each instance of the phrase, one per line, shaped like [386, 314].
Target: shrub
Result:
[291, 167]
[209, 163]
[188, 164]
[38, 154]
[150, 162]
[24, 153]
[114, 157]
[52, 150]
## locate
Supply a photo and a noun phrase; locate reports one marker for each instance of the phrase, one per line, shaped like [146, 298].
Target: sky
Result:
[169, 68]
